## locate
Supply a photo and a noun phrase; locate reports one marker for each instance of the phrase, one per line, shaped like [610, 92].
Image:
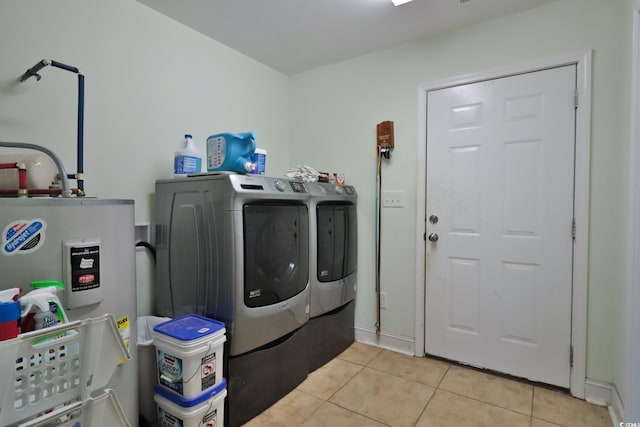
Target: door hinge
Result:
[571, 356]
[573, 229]
[576, 99]
[424, 236]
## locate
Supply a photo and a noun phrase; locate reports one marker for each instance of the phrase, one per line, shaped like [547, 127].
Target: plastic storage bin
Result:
[205, 410]
[189, 354]
[58, 367]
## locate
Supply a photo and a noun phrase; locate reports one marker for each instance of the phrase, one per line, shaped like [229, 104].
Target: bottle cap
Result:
[9, 295]
[186, 135]
[39, 284]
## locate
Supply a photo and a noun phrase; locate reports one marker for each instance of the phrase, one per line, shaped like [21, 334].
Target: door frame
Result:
[631, 292]
[582, 61]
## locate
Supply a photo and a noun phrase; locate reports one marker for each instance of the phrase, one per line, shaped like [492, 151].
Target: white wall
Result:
[149, 80]
[335, 109]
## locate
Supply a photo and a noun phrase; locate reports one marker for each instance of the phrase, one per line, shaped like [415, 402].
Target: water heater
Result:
[88, 244]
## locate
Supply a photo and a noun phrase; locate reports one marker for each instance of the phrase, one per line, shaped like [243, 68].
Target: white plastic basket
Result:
[101, 411]
[58, 366]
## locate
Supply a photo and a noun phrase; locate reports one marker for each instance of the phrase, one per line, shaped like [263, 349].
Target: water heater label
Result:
[23, 236]
[85, 268]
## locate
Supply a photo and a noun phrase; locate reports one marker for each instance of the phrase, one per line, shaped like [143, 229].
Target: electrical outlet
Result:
[393, 199]
[383, 300]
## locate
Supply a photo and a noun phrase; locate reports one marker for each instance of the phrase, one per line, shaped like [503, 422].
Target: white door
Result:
[500, 180]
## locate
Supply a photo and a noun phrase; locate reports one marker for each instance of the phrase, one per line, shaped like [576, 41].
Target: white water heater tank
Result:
[88, 244]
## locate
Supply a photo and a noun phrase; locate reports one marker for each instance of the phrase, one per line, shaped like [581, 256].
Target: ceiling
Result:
[292, 36]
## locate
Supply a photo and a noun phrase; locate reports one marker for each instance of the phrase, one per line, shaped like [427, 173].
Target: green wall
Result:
[149, 80]
[334, 111]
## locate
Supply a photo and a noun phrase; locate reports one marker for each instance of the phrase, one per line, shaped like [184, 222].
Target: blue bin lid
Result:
[9, 311]
[189, 327]
[188, 403]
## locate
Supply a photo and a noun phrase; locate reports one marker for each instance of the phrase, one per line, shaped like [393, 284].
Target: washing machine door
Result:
[337, 241]
[276, 251]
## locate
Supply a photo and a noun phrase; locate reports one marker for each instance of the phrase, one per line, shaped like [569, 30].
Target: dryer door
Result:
[337, 241]
[276, 252]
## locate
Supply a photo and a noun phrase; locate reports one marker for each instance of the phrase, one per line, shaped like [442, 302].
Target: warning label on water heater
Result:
[23, 236]
[85, 268]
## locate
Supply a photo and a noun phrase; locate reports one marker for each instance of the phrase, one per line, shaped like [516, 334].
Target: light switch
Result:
[393, 199]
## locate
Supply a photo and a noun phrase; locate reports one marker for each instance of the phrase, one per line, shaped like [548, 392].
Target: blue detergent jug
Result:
[231, 152]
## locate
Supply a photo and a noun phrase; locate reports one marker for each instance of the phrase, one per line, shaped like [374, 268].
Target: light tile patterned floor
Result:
[368, 386]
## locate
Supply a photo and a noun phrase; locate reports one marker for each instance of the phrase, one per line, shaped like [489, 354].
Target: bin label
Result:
[208, 371]
[166, 419]
[211, 419]
[170, 371]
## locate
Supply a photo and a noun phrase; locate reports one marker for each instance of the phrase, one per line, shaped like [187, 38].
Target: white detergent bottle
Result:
[41, 307]
[187, 160]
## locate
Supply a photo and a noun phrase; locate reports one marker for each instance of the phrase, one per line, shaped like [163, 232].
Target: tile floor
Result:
[368, 386]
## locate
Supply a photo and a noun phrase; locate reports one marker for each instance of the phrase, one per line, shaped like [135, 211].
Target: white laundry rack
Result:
[56, 376]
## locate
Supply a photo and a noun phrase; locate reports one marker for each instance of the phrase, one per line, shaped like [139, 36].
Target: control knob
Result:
[280, 185]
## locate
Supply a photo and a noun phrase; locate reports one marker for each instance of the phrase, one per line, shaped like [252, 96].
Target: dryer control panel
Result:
[298, 187]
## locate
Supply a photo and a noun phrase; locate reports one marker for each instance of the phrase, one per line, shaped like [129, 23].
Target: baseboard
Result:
[597, 392]
[605, 394]
[396, 343]
[616, 408]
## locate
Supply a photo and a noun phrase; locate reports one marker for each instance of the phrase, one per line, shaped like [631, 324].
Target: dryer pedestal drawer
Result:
[329, 335]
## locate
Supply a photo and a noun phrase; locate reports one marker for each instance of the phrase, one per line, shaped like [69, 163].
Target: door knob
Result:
[433, 237]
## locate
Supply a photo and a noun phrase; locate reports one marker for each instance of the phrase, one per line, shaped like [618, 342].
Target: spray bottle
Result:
[41, 307]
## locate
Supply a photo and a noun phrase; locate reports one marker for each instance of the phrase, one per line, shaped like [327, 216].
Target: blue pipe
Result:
[65, 66]
[33, 72]
[80, 150]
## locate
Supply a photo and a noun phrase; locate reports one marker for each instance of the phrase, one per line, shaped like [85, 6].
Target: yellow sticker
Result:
[124, 327]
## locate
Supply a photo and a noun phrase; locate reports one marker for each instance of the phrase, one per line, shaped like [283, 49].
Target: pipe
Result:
[381, 153]
[80, 144]
[377, 238]
[64, 66]
[52, 192]
[33, 72]
[66, 190]
[22, 178]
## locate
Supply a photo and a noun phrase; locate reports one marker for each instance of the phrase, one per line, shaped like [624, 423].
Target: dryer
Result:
[333, 274]
[235, 248]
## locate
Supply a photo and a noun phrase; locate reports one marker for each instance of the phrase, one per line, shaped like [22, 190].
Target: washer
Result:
[235, 248]
[333, 274]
